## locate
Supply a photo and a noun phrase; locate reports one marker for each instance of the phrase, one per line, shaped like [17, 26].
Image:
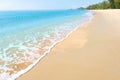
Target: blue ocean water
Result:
[27, 36]
[14, 21]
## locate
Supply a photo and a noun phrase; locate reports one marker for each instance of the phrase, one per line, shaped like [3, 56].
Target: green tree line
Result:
[110, 4]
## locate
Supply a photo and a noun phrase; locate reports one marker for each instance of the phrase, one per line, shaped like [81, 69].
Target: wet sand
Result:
[92, 52]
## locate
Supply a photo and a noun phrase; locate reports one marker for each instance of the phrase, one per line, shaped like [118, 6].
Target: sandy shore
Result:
[92, 52]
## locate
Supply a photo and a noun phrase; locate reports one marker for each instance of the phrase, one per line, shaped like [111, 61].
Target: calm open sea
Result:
[27, 36]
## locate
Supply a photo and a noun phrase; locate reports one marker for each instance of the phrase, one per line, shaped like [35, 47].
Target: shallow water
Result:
[27, 36]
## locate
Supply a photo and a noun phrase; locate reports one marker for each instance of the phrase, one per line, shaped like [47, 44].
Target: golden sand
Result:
[92, 52]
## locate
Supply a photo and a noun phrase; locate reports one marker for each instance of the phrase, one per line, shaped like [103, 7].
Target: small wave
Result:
[20, 56]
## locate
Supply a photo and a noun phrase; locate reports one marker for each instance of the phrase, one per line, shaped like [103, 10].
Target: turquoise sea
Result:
[27, 36]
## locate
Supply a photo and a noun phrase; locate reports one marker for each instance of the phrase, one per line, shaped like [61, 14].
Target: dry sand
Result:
[92, 52]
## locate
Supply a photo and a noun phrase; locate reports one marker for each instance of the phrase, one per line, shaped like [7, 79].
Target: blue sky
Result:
[44, 4]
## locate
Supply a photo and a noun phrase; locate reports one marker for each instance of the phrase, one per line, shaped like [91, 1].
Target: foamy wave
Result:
[19, 56]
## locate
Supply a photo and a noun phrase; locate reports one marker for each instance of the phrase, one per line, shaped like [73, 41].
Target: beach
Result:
[92, 52]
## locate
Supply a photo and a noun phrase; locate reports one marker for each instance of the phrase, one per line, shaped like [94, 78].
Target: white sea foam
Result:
[30, 50]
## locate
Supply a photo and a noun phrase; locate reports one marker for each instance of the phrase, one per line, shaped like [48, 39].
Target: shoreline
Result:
[49, 56]
[22, 72]
[39, 60]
